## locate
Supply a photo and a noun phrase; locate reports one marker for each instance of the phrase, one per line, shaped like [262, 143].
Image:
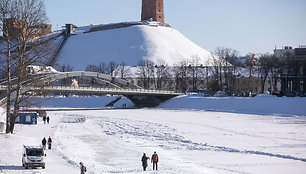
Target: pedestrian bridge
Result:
[96, 84]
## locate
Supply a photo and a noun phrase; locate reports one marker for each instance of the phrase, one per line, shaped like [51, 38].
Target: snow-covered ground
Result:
[194, 139]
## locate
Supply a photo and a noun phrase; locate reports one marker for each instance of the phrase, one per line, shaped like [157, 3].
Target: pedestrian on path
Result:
[83, 168]
[49, 142]
[44, 118]
[154, 159]
[44, 142]
[48, 119]
[144, 161]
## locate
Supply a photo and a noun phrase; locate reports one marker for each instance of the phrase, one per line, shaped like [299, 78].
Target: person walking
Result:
[44, 142]
[44, 118]
[49, 142]
[83, 168]
[144, 161]
[154, 159]
[48, 119]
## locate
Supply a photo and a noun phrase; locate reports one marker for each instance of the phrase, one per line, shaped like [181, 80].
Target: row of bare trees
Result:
[226, 71]
[19, 48]
[111, 68]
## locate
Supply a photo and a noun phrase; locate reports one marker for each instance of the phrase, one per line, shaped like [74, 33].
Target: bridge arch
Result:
[99, 77]
[42, 82]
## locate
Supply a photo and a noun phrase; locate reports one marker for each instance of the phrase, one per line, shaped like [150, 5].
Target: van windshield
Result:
[35, 152]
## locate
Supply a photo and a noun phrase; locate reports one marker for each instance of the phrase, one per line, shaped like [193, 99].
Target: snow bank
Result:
[2, 115]
[2, 119]
[81, 102]
[266, 105]
[129, 45]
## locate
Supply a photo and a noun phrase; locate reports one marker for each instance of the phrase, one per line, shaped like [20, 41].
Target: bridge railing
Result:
[106, 89]
[3, 88]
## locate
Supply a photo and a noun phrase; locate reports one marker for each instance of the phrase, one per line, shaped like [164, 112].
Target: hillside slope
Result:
[129, 45]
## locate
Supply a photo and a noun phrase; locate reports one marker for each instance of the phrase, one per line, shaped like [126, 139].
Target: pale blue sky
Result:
[245, 25]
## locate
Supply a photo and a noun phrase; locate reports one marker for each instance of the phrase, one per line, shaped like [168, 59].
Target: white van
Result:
[33, 156]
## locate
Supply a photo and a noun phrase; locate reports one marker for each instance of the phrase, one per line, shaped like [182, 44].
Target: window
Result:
[28, 118]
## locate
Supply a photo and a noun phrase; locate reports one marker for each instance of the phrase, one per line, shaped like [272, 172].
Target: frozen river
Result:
[187, 141]
[112, 141]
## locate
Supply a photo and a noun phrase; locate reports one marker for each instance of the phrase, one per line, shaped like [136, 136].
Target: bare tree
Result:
[23, 49]
[180, 72]
[225, 64]
[65, 68]
[266, 64]
[111, 67]
[102, 68]
[92, 68]
[146, 73]
[250, 63]
[162, 74]
[122, 71]
[194, 71]
[216, 73]
[5, 12]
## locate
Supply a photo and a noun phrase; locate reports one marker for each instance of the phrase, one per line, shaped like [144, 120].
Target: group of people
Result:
[154, 160]
[144, 160]
[44, 142]
[46, 119]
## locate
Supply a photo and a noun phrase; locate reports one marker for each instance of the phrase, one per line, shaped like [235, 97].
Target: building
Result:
[15, 27]
[153, 10]
[288, 51]
[41, 30]
[293, 77]
[19, 28]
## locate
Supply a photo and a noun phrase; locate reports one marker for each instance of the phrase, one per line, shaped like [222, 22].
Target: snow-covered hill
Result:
[129, 45]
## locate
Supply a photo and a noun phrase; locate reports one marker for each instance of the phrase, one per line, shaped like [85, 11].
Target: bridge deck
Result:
[99, 91]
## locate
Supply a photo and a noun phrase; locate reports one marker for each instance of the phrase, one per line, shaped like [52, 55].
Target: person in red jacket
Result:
[49, 142]
[154, 159]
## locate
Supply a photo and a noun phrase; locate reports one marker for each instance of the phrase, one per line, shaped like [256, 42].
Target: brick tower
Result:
[153, 9]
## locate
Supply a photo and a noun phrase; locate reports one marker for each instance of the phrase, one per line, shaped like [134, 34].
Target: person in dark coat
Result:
[154, 159]
[49, 142]
[144, 161]
[83, 168]
[44, 118]
[48, 119]
[44, 142]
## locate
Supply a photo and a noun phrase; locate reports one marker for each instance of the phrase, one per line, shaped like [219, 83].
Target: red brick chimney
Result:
[153, 9]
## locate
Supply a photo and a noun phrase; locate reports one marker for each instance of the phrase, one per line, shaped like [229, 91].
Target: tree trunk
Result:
[18, 93]
[263, 83]
[8, 92]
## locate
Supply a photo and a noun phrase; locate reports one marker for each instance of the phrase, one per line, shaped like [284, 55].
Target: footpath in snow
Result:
[11, 149]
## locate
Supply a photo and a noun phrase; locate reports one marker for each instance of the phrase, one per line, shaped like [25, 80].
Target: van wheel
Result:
[43, 167]
[26, 167]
